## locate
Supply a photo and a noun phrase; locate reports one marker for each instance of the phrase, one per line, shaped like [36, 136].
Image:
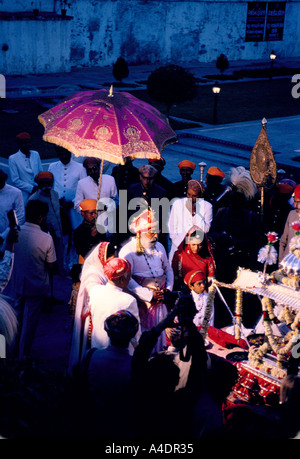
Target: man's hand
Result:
[12, 238]
[158, 296]
[66, 204]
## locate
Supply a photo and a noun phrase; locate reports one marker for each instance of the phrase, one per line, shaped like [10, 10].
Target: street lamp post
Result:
[216, 90]
[272, 58]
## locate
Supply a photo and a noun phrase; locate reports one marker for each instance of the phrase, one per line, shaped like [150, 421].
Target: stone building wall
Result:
[142, 31]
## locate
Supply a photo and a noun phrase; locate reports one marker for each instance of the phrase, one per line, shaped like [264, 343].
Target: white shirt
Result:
[200, 300]
[104, 301]
[66, 178]
[87, 188]
[157, 260]
[10, 198]
[34, 249]
[22, 171]
[6, 266]
[92, 274]
[181, 221]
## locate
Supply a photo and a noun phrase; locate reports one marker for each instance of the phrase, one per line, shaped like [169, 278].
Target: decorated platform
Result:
[262, 360]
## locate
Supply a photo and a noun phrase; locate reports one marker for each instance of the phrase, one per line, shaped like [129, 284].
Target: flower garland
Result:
[238, 313]
[208, 310]
[272, 343]
[268, 314]
[285, 315]
[255, 357]
[256, 354]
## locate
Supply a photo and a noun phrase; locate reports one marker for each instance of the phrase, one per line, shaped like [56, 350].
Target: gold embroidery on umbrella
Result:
[103, 133]
[132, 133]
[75, 124]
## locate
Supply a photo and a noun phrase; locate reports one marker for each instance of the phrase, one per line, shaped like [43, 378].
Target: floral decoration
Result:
[208, 310]
[272, 237]
[296, 227]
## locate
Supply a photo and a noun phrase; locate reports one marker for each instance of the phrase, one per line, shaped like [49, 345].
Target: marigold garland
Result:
[275, 344]
[208, 310]
[277, 347]
[255, 357]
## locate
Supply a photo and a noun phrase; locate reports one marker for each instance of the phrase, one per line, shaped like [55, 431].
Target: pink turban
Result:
[116, 268]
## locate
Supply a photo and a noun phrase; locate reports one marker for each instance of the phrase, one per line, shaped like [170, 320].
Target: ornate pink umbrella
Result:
[107, 125]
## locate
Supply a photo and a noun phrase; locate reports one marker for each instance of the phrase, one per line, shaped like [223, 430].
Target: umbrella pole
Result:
[100, 179]
[262, 204]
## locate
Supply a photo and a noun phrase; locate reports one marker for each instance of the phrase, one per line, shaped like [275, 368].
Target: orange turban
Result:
[216, 171]
[193, 276]
[187, 163]
[88, 204]
[116, 268]
[43, 175]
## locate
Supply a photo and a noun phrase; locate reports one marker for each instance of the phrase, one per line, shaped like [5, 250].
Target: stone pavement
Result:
[93, 77]
[51, 346]
[282, 132]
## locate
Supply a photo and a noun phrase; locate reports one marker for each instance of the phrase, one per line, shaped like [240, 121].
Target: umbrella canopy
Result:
[107, 125]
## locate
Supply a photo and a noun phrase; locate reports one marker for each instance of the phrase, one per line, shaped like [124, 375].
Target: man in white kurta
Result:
[151, 269]
[67, 173]
[34, 261]
[10, 198]
[92, 274]
[186, 213]
[24, 166]
[87, 188]
[110, 298]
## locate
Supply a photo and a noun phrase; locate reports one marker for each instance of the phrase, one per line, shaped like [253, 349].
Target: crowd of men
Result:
[142, 271]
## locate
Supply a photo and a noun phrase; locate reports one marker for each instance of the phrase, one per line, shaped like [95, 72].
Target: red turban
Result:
[23, 136]
[285, 188]
[102, 252]
[297, 192]
[187, 163]
[116, 268]
[161, 161]
[290, 182]
[216, 171]
[193, 276]
[43, 175]
[197, 186]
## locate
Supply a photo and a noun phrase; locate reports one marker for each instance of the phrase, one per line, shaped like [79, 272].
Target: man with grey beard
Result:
[150, 268]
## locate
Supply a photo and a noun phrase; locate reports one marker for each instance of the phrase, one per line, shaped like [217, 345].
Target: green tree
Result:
[171, 84]
[222, 63]
[120, 69]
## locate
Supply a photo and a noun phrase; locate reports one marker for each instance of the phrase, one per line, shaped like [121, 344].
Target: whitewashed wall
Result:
[35, 46]
[142, 31]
